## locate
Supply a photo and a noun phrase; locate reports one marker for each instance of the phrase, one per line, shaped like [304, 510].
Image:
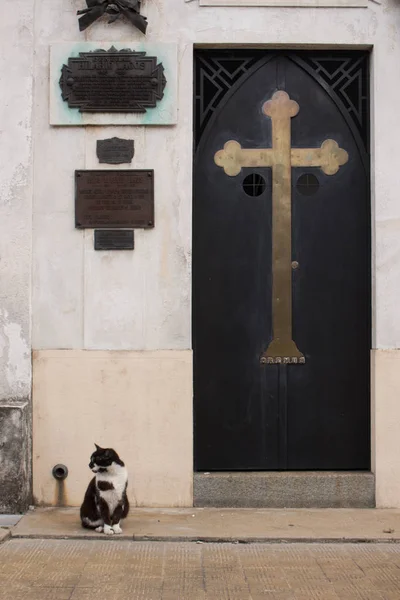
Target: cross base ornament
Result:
[281, 158]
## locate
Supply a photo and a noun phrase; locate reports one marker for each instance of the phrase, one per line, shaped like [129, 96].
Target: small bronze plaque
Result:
[115, 151]
[112, 81]
[111, 198]
[113, 239]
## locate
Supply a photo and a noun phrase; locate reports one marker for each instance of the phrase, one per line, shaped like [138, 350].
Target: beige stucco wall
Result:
[386, 426]
[140, 403]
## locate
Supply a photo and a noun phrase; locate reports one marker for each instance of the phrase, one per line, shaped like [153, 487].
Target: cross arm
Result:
[233, 157]
[330, 157]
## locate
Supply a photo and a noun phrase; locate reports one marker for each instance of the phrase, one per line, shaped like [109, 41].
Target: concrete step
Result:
[288, 489]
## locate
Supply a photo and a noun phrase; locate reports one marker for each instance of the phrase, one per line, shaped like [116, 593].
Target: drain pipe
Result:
[60, 472]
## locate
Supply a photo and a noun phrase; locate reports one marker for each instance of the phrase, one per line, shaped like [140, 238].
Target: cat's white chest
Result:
[112, 499]
[118, 480]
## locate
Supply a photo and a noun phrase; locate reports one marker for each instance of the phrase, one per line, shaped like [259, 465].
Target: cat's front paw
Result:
[117, 528]
[99, 529]
[108, 530]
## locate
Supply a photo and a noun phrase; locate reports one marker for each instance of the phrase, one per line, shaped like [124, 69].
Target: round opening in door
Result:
[254, 184]
[307, 184]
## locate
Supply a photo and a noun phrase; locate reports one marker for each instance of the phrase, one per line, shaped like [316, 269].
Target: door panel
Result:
[297, 416]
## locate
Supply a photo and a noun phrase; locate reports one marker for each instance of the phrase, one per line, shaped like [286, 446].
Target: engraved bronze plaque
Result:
[111, 198]
[113, 239]
[115, 151]
[112, 81]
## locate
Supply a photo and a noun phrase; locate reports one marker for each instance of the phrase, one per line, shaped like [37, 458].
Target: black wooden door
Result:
[250, 415]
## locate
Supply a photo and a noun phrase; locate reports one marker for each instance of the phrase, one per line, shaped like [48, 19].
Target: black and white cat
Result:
[106, 502]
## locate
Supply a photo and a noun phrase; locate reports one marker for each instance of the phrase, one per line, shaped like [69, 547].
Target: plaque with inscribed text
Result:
[114, 198]
[112, 81]
[165, 111]
[113, 239]
[115, 151]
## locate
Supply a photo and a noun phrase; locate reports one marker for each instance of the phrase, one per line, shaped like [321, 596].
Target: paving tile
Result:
[9, 520]
[274, 596]
[88, 570]
[49, 594]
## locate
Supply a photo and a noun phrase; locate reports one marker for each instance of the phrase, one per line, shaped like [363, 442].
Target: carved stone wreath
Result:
[115, 8]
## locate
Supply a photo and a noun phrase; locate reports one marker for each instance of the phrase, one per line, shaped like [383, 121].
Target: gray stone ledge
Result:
[322, 489]
[15, 456]
[5, 534]
[7, 521]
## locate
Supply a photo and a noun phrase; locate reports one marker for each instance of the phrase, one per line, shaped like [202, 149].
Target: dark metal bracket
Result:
[115, 8]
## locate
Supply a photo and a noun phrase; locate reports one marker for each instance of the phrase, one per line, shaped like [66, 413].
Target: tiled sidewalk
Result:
[86, 569]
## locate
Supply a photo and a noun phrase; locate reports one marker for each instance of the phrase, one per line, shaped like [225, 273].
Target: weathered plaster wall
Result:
[69, 279]
[90, 300]
[16, 83]
[87, 299]
[15, 453]
[141, 301]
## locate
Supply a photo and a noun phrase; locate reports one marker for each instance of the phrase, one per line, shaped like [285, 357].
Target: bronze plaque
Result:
[112, 81]
[113, 239]
[115, 151]
[111, 198]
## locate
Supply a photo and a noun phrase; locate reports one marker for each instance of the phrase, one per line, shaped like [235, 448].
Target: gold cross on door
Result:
[281, 158]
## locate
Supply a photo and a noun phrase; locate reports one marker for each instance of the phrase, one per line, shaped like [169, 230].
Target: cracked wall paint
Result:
[16, 84]
[15, 467]
[9, 190]
[15, 358]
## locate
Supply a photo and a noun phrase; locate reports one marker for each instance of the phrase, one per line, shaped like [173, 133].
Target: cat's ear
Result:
[97, 447]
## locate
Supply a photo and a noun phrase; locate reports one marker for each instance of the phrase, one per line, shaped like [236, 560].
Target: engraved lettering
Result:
[113, 81]
[114, 199]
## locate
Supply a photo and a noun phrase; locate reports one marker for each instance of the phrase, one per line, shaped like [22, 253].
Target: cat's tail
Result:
[89, 524]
